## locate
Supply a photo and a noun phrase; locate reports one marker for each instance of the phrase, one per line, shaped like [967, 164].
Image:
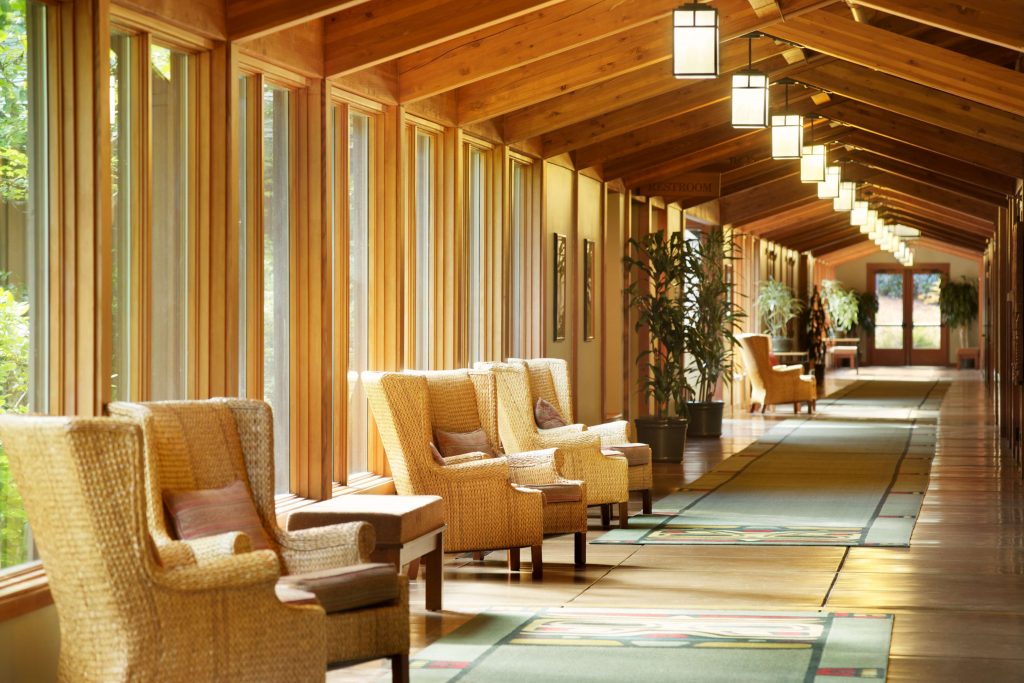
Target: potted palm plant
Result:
[843, 306]
[712, 318]
[958, 304]
[817, 331]
[777, 305]
[656, 265]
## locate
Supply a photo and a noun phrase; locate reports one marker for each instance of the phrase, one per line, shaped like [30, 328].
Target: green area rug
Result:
[567, 644]
[855, 474]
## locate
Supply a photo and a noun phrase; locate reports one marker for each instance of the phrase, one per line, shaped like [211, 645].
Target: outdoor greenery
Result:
[777, 305]
[817, 329]
[842, 305]
[657, 266]
[958, 304]
[713, 315]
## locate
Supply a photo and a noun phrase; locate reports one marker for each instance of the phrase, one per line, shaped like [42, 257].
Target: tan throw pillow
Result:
[457, 443]
[547, 416]
[208, 512]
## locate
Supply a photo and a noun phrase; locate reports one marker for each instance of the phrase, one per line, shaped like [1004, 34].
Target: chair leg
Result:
[478, 556]
[537, 560]
[434, 564]
[624, 515]
[513, 559]
[648, 506]
[796, 407]
[753, 407]
[606, 516]
[400, 668]
[414, 569]
[764, 406]
[580, 549]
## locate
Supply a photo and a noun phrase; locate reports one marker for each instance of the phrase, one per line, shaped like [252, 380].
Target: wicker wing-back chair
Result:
[606, 477]
[770, 385]
[482, 509]
[193, 445]
[122, 616]
[549, 379]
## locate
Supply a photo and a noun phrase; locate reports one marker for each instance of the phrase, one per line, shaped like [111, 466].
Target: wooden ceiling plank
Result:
[1000, 22]
[838, 257]
[382, 30]
[887, 198]
[919, 102]
[757, 173]
[875, 161]
[797, 214]
[249, 19]
[936, 195]
[771, 197]
[906, 58]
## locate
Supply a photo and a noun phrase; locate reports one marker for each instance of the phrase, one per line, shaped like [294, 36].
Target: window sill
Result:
[25, 588]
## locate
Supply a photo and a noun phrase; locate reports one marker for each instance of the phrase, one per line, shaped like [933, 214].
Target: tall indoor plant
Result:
[777, 305]
[843, 306]
[656, 265]
[712, 318]
[958, 303]
[817, 331]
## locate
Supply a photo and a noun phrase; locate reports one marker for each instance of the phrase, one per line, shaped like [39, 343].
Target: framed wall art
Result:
[589, 288]
[561, 262]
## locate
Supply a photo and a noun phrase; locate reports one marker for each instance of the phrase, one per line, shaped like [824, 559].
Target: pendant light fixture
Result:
[847, 196]
[813, 159]
[787, 130]
[695, 41]
[829, 188]
[750, 93]
[859, 214]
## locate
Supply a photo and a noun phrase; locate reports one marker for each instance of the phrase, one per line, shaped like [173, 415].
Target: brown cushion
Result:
[346, 588]
[547, 416]
[636, 454]
[396, 519]
[208, 512]
[560, 493]
[457, 443]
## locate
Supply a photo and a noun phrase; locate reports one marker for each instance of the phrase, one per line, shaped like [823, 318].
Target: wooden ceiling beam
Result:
[853, 252]
[1000, 22]
[758, 173]
[795, 229]
[827, 240]
[913, 60]
[520, 41]
[886, 198]
[875, 161]
[935, 231]
[749, 205]
[951, 200]
[382, 30]
[916, 101]
[928, 137]
[797, 214]
[249, 19]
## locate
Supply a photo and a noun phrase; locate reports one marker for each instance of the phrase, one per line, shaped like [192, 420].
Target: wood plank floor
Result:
[958, 591]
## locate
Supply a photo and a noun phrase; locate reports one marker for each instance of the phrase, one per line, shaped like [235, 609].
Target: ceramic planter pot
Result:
[705, 419]
[665, 435]
[782, 344]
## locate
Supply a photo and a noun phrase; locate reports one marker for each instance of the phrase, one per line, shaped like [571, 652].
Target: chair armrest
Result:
[788, 369]
[464, 457]
[535, 467]
[212, 547]
[233, 571]
[325, 547]
[488, 468]
[568, 439]
[176, 554]
[566, 429]
[617, 432]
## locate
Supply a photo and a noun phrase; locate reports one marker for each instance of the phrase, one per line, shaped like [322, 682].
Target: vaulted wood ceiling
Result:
[922, 99]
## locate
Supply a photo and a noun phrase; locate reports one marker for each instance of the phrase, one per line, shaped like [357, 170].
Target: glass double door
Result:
[908, 325]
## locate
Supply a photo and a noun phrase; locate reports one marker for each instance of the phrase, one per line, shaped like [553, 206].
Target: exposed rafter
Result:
[249, 19]
[1000, 22]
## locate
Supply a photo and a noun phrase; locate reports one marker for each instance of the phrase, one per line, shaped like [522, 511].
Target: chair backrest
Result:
[400, 403]
[549, 380]
[193, 445]
[82, 485]
[754, 348]
[517, 427]
[463, 401]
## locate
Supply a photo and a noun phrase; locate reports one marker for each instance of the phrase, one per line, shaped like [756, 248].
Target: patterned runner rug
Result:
[855, 474]
[653, 645]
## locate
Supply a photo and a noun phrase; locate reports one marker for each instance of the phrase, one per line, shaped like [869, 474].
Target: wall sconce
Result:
[829, 188]
[695, 41]
[750, 94]
[787, 130]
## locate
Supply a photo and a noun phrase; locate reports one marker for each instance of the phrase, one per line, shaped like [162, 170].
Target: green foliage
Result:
[841, 304]
[657, 267]
[867, 309]
[777, 305]
[14, 360]
[712, 314]
[817, 329]
[13, 101]
[958, 304]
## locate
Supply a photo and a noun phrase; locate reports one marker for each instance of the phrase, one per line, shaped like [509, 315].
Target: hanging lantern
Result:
[813, 159]
[695, 41]
[859, 214]
[829, 189]
[847, 196]
[749, 95]
[787, 131]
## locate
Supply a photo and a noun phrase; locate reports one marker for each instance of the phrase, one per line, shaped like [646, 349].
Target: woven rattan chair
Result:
[549, 379]
[192, 445]
[770, 385]
[123, 616]
[606, 477]
[484, 510]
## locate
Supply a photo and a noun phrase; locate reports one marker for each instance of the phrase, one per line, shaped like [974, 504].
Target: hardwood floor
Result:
[958, 591]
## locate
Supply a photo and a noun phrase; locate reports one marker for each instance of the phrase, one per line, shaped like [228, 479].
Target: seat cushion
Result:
[345, 588]
[636, 454]
[547, 416]
[560, 493]
[395, 519]
[208, 512]
[457, 443]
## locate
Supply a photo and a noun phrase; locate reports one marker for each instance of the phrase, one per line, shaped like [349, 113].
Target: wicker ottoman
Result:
[408, 528]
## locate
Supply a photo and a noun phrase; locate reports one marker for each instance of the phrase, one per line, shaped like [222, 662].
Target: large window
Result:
[476, 220]
[23, 244]
[518, 239]
[276, 271]
[423, 214]
[123, 174]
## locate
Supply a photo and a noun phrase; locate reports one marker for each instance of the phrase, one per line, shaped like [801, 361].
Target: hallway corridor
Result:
[957, 592]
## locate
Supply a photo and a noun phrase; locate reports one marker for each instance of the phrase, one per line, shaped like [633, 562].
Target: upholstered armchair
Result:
[123, 616]
[549, 380]
[206, 445]
[606, 476]
[770, 385]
